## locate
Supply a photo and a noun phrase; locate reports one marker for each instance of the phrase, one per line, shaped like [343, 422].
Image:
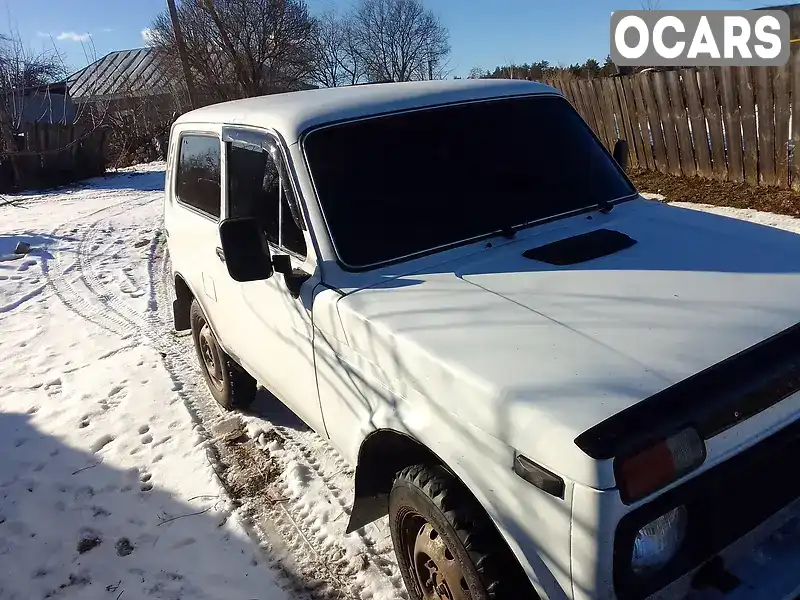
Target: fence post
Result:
[685, 146]
[713, 114]
[700, 135]
[781, 87]
[733, 124]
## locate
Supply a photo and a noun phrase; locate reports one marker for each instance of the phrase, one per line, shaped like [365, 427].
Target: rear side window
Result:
[198, 175]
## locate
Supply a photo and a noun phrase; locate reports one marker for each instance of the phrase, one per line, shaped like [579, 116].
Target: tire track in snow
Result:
[378, 562]
[113, 314]
[90, 307]
[297, 523]
[292, 520]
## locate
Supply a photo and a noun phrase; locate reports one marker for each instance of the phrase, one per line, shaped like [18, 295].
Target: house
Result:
[123, 76]
[120, 79]
[49, 104]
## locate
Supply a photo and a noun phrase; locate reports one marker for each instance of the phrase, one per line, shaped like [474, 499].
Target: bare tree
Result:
[182, 54]
[241, 48]
[336, 62]
[399, 40]
[23, 78]
[476, 73]
[651, 4]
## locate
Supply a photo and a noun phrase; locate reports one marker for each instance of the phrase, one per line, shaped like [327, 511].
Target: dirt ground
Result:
[718, 193]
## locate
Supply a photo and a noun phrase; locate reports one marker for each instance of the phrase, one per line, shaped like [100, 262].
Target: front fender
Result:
[535, 525]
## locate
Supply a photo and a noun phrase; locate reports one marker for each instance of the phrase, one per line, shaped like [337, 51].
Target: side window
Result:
[256, 189]
[198, 174]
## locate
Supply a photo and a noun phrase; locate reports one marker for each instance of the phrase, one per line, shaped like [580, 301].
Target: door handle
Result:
[220, 254]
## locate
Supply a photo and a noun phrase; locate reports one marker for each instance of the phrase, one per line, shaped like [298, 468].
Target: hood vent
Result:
[581, 248]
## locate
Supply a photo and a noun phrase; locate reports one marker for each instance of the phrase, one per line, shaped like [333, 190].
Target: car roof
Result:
[292, 113]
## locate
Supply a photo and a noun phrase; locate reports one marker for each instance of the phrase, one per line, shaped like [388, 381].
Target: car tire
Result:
[230, 385]
[442, 536]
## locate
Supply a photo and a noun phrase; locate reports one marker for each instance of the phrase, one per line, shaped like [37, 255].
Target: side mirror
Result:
[621, 154]
[245, 249]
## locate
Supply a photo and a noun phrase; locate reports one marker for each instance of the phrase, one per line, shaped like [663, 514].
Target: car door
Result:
[193, 227]
[274, 333]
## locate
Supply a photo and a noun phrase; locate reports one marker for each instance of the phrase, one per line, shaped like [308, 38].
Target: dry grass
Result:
[718, 193]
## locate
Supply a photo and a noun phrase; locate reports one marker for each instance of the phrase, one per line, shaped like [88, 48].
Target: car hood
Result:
[535, 354]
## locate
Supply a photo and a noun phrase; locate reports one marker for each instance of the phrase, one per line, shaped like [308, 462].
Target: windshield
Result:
[401, 184]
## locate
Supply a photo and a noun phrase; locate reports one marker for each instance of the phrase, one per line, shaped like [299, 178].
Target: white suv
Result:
[551, 385]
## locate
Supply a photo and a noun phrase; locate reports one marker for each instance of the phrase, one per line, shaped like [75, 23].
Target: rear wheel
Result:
[446, 546]
[230, 385]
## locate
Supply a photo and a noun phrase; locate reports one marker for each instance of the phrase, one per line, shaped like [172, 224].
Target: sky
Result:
[483, 33]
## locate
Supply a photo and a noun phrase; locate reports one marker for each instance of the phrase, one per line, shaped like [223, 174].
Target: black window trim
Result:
[377, 265]
[249, 135]
[194, 209]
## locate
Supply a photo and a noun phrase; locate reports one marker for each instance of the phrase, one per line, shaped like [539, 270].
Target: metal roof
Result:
[137, 72]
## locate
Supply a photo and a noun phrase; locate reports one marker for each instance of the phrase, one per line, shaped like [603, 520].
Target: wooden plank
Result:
[611, 116]
[781, 78]
[29, 139]
[55, 147]
[559, 85]
[656, 130]
[766, 126]
[747, 105]
[621, 105]
[794, 166]
[713, 118]
[699, 138]
[635, 84]
[74, 147]
[588, 114]
[600, 113]
[42, 143]
[675, 88]
[667, 122]
[578, 99]
[633, 116]
[570, 93]
[733, 123]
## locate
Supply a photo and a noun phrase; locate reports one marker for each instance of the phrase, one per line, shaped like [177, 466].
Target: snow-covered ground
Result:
[120, 477]
[119, 474]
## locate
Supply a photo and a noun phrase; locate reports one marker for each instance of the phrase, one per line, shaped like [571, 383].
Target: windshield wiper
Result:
[605, 207]
[508, 231]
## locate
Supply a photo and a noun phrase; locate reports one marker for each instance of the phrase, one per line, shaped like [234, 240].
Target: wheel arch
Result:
[385, 452]
[182, 303]
[382, 454]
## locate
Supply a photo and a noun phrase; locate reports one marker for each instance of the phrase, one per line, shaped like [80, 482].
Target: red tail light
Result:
[659, 465]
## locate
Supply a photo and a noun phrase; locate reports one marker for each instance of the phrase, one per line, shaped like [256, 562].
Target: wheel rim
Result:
[434, 567]
[210, 357]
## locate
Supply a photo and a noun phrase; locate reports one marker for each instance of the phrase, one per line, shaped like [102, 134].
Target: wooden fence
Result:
[49, 155]
[729, 124]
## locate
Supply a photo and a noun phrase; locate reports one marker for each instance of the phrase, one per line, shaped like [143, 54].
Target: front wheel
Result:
[230, 385]
[446, 547]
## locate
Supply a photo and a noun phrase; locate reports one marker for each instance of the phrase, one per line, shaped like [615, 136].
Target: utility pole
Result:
[187, 73]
